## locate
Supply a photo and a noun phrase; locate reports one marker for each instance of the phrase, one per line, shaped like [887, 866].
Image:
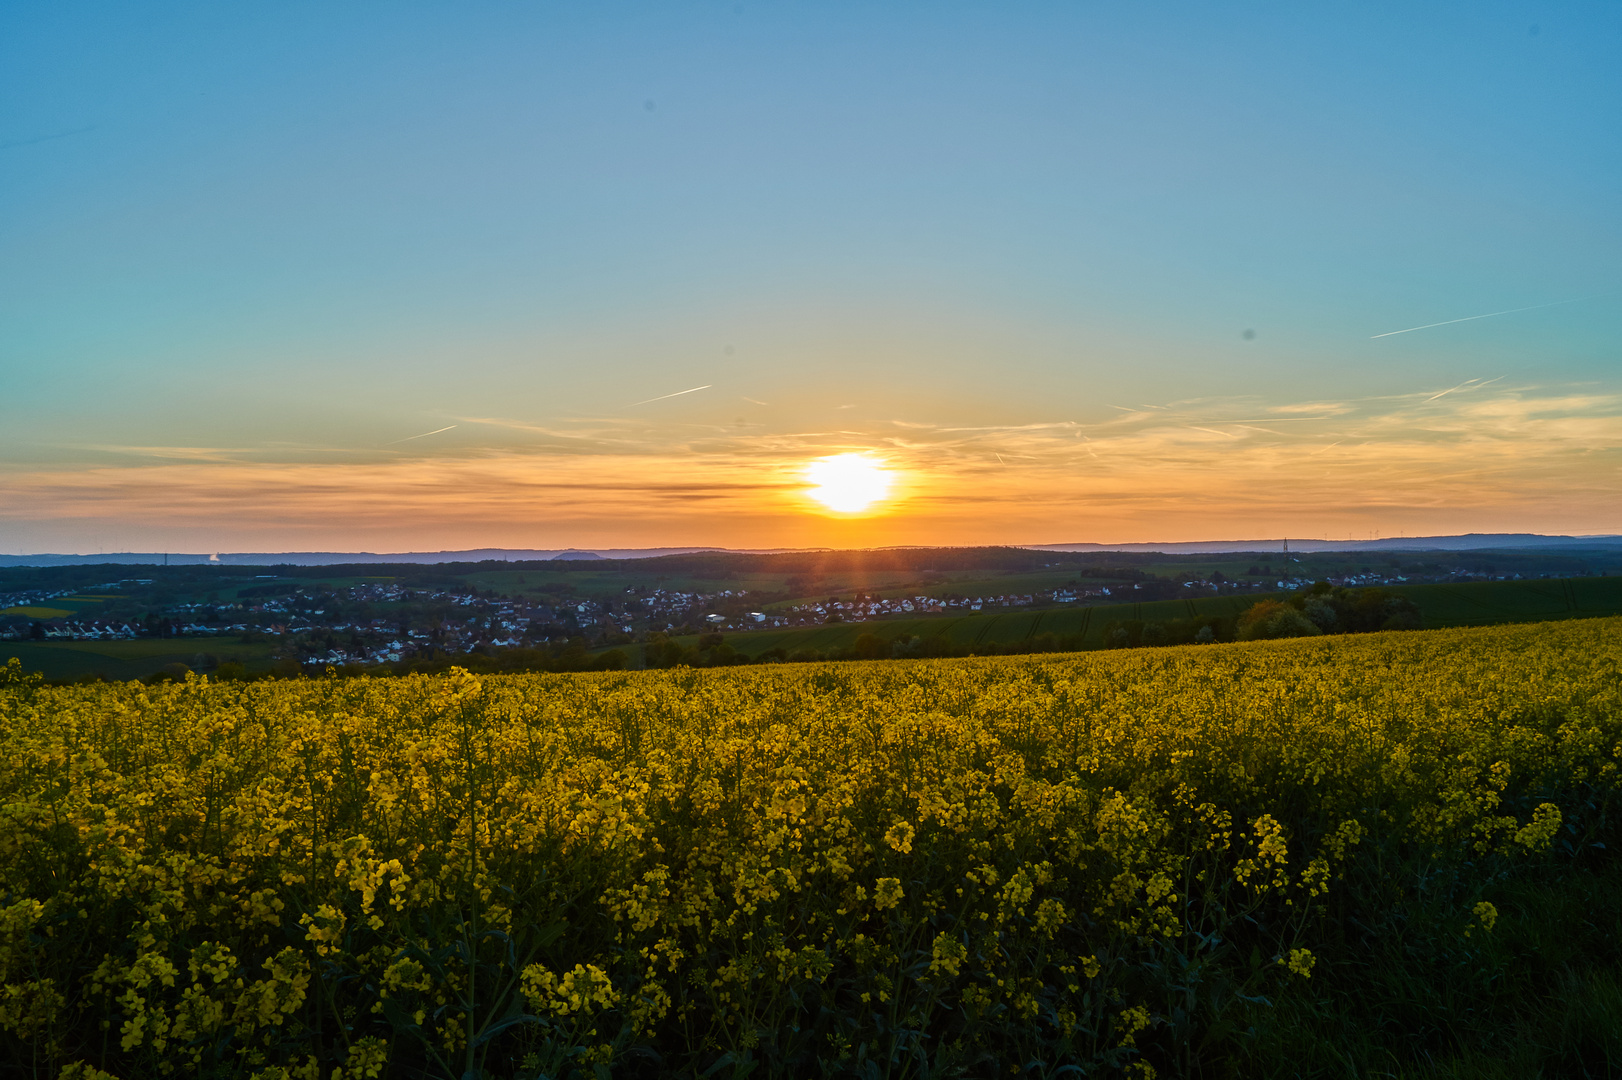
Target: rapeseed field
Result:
[1121, 862]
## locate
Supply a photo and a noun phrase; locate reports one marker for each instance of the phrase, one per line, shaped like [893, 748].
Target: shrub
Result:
[1274, 619]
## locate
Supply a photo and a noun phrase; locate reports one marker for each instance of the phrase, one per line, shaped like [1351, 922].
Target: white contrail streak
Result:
[662, 397]
[1472, 318]
[424, 435]
[1474, 384]
[1270, 420]
[1446, 392]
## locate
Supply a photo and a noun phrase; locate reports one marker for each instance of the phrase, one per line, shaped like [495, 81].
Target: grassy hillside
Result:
[1480, 603]
[60, 607]
[129, 659]
[1470, 604]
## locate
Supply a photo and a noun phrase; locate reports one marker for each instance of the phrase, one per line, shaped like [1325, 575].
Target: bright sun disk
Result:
[847, 483]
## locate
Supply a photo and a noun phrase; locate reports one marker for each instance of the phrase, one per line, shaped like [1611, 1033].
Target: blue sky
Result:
[250, 250]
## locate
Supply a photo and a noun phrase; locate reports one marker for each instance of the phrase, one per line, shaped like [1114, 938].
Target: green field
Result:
[235, 590]
[999, 628]
[611, 582]
[1469, 604]
[59, 607]
[129, 659]
[1480, 603]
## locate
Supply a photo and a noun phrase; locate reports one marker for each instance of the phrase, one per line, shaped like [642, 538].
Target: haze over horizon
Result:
[407, 278]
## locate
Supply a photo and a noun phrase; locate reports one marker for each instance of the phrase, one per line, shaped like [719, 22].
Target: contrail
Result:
[1472, 318]
[46, 138]
[424, 435]
[1448, 391]
[1475, 384]
[1270, 420]
[662, 397]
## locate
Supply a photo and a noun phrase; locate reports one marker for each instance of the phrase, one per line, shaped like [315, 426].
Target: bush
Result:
[1321, 614]
[1269, 619]
[871, 647]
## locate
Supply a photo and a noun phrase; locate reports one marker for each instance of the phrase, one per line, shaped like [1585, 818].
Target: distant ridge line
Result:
[1462, 542]
[335, 558]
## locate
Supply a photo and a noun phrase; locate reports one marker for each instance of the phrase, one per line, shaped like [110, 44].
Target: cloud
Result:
[424, 435]
[1321, 408]
[1481, 455]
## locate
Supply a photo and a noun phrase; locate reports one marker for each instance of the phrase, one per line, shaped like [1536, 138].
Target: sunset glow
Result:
[847, 483]
[661, 282]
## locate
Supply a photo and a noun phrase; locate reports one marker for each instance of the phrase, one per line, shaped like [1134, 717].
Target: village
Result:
[383, 622]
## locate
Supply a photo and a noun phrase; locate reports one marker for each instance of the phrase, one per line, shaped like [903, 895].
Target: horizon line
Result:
[217, 558]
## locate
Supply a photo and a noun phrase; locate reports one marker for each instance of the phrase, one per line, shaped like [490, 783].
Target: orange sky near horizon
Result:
[1488, 458]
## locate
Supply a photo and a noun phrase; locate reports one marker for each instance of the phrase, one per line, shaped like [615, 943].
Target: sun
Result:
[847, 483]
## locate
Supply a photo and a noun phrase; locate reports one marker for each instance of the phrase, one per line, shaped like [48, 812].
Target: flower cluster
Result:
[933, 862]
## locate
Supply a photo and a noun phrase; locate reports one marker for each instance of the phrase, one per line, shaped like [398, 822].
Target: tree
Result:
[1322, 614]
[1274, 619]
[871, 647]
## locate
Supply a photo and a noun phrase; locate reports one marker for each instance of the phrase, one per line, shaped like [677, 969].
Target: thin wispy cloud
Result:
[667, 397]
[1328, 408]
[1473, 318]
[1269, 420]
[37, 139]
[177, 453]
[1500, 452]
[1477, 383]
[424, 435]
[265, 451]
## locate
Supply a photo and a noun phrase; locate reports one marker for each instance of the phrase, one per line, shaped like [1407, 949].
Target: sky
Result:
[1076, 272]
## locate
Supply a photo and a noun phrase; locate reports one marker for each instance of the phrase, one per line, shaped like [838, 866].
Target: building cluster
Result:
[863, 608]
[383, 622]
[73, 630]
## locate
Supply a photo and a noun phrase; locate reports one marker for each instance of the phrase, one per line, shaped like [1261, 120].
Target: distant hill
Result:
[344, 558]
[1466, 542]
